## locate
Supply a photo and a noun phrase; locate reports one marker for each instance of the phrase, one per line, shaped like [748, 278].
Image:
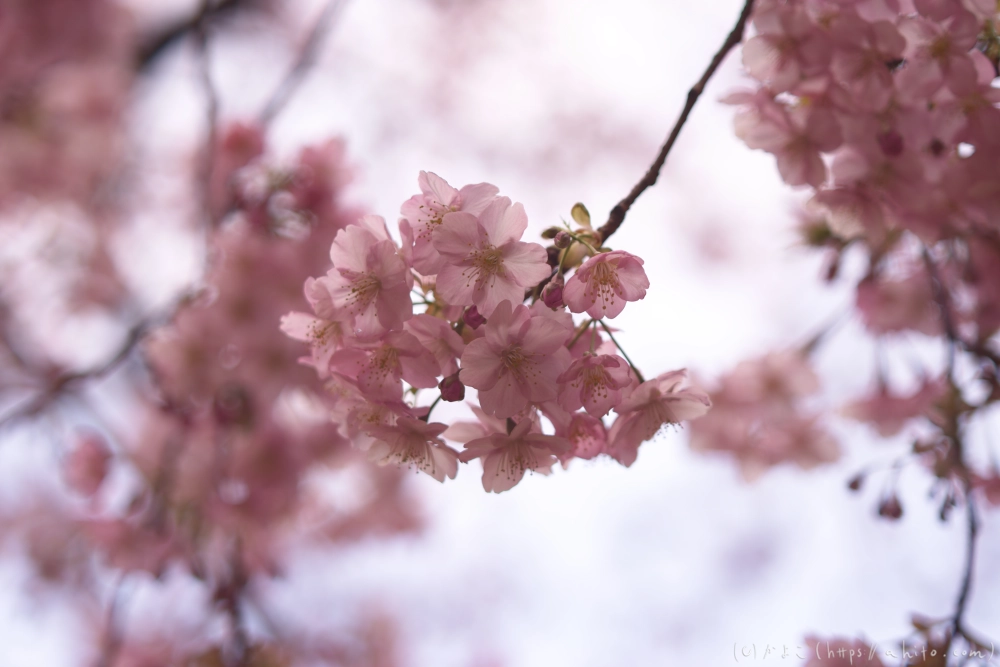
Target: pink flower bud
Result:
[890, 508]
[891, 143]
[552, 293]
[472, 318]
[562, 240]
[87, 465]
[452, 389]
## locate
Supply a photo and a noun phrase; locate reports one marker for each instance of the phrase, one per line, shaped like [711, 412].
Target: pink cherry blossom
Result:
[787, 48]
[436, 335]
[861, 52]
[594, 382]
[412, 442]
[604, 283]
[507, 457]
[517, 361]
[646, 410]
[758, 418]
[889, 413]
[587, 434]
[379, 367]
[889, 305]
[370, 282]
[486, 263]
[797, 137]
[324, 332]
[425, 212]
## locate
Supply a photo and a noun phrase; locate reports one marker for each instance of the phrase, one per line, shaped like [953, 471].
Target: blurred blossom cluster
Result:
[885, 112]
[224, 460]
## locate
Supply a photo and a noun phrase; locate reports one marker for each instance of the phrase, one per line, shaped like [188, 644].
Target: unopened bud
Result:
[552, 293]
[890, 508]
[472, 318]
[233, 406]
[452, 389]
[890, 142]
[856, 482]
[562, 240]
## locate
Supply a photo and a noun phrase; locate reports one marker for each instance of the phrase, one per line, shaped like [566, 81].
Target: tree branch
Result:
[158, 44]
[307, 57]
[617, 215]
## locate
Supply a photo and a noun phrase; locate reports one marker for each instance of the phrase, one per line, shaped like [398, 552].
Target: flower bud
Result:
[890, 142]
[562, 240]
[890, 508]
[472, 318]
[452, 389]
[856, 482]
[552, 293]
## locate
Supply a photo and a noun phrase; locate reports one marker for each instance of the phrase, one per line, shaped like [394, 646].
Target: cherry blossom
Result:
[370, 282]
[517, 362]
[425, 213]
[594, 382]
[604, 283]
[486, 261]
[506, 457]
[411, 442]
[648, 408]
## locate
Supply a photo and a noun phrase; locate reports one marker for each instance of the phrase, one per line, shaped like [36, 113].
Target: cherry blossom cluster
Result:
[887, 111]
[462, 302]
[224, 454]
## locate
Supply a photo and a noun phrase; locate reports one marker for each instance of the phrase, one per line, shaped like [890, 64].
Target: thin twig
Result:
[972, 535]
[617, 215]
[66, 381]
[943, 300]
[307, 57]
[114, 631]
[151, 49]
[607, 330]
[212, 120]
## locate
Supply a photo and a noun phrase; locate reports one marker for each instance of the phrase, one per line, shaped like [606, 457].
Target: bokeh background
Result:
[676, 560]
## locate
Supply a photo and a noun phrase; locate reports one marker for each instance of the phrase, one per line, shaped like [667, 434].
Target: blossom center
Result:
[364, 289]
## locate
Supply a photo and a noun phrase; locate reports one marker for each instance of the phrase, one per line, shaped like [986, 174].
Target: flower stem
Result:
[607, 330]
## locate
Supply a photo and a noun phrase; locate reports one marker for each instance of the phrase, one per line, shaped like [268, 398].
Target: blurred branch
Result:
[113, 630]
[62, 383]
[157, 44]
[943, 300]
[617, 215]
[972, 535]
[307, 58]
[204, 178]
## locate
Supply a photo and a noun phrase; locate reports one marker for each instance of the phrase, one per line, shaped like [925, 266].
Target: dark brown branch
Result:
[972, 535]
[943, 300]
[617, 215]
[204, 178]
[64, 382]
[307, 57]
[160, 42]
